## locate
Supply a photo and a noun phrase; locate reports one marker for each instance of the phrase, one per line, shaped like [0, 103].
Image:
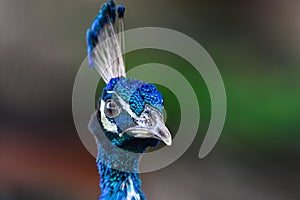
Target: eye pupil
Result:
[112, 109]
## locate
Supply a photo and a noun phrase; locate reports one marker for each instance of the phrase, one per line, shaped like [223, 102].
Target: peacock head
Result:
[130, 113]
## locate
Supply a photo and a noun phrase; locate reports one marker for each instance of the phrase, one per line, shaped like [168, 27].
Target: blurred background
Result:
[256, 46]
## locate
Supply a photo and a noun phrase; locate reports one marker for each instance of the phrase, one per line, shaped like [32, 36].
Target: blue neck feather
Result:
[118, 185]
[117, 180]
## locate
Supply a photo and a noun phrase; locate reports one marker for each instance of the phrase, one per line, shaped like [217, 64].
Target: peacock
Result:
[130, 113]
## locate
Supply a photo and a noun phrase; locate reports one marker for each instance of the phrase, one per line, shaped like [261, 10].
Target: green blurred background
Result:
[256, 46]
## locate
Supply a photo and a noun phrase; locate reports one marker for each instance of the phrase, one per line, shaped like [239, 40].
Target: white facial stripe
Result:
[108, 125]
[125, 106]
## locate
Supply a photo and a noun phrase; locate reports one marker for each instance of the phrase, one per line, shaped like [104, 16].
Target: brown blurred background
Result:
[256, 46]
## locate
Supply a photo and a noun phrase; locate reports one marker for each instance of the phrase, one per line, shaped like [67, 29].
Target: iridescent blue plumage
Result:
[137, 93]
[130, 112]
[113, 185]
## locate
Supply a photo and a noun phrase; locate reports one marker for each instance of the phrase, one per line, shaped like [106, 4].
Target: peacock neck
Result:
[118, 169]
[118, 184]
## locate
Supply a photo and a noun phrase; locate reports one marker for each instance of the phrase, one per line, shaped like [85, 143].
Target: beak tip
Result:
[168, 142]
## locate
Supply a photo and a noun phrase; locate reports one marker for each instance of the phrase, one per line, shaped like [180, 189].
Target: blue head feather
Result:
[137, 94]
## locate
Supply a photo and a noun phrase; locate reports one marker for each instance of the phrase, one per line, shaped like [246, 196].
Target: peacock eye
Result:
[112, 109]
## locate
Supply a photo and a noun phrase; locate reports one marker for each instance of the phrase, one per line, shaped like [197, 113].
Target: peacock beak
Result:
[150, 124]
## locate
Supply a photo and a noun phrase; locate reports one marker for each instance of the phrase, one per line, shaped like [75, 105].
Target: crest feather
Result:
[105, 47]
